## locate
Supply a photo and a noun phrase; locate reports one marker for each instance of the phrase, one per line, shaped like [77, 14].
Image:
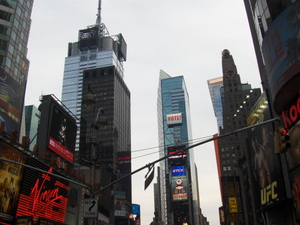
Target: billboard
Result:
[42, 195]
[136, 213]
[174, 119]
[293, 159]
[57, 132]
[62, 134]
[179, 183]
[268, 185]
[11, 176]
[281, 55]
[178, 158]
[178, 171]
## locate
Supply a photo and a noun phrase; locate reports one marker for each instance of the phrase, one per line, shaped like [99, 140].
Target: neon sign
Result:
[47, 199]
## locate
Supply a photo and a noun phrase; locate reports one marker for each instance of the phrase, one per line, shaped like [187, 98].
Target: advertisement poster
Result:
[268, 185]
[10, 180]
[293, 157]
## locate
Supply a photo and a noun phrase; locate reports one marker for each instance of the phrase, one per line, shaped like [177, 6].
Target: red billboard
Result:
[43, 196]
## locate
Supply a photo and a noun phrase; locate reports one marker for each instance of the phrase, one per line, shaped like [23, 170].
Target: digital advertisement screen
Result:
[179, 188]
[62, 134]
[178, 158]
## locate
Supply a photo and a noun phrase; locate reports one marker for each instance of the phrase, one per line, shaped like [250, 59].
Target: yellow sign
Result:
[233, 207]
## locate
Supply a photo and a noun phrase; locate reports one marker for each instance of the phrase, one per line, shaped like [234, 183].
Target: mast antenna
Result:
[98, 21]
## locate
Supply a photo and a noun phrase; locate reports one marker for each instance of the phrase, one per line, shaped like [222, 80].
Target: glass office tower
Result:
[95, 64]
[180, 203]
[215, 86]
[15, 24]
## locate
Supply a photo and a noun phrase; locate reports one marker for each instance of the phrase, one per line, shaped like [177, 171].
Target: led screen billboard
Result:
[282, 58]
[42, 195]
[178, 158]
[57, 131]
[62, 134]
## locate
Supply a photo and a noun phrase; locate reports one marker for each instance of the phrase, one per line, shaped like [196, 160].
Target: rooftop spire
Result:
[98, 21]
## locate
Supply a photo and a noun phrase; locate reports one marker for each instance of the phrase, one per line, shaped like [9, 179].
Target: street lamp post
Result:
[100, 122]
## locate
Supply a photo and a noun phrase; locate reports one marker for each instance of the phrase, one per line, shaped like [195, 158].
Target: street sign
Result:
[90, 208]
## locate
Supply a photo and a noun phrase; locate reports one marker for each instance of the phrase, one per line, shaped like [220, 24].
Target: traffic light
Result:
[282, 138]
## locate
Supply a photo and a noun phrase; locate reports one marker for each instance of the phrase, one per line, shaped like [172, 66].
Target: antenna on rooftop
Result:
[98, 21]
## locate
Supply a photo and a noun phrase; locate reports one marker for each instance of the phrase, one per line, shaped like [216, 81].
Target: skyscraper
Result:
[215, 86]
[237, 101]
[32, 116]
[95, 64]
[178, 183]
[15, 24]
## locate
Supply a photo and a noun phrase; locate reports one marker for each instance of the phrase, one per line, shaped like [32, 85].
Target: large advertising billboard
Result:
[178, 158]
[11, 176]
[43, 196]
[179, 183]
[281, 54]
[57, 132]
[264, 163]
[62, 134]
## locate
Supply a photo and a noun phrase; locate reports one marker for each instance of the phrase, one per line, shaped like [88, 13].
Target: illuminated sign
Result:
[291, 116]
[178, 171]
[179, 188]
[233, 206]
[173, 119]
[268, 193]
[61, 150]
[46, 197]
[178, 158]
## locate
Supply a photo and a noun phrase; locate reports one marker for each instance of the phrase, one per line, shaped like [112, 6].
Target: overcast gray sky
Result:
[181, 37]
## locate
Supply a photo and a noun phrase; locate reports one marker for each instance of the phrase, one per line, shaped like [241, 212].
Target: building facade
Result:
[214, 86]
[15, 24]
[178, 183]
[32, 117]
[274, 26]
[95, 65]
[237, 100]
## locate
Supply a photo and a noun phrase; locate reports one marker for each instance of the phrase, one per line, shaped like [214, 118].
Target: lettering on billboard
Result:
[178, 171]
[173, 119]
[268, 193]
[47, 199]
[291, 115]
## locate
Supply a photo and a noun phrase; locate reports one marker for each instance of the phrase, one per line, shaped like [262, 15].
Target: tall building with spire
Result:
[237, 100]
[15, 24]
[178, 183]
[95, 65]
